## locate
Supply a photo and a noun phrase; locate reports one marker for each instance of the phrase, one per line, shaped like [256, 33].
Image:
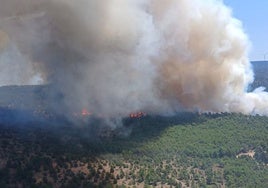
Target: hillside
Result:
[187, 150]
[184, 150]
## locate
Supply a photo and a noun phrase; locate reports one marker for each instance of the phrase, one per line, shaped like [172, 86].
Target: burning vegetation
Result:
[137, 115]
[99, 67]
[122, 57]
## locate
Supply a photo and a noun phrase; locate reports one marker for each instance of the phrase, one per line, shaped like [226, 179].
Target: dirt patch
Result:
[250, 153]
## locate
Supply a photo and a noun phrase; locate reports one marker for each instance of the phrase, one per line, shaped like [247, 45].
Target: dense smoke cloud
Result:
[116, 57]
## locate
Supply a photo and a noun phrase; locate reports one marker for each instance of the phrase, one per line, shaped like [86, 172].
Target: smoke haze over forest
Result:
[116, 57]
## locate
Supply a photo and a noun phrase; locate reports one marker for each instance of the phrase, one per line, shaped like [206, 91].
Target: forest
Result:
[188, 149]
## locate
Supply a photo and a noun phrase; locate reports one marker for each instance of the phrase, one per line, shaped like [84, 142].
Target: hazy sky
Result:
[254, 16]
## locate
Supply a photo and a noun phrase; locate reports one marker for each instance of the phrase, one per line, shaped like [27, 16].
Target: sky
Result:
[254, 17]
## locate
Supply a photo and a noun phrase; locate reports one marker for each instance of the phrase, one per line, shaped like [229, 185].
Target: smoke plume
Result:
[121, 56]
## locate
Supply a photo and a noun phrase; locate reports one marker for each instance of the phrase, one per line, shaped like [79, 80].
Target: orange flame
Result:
[85, 112]
[137, 115]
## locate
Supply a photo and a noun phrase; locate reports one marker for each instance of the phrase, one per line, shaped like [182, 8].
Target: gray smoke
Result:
[121, 56]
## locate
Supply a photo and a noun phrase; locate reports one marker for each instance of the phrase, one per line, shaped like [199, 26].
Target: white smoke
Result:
[120, 56]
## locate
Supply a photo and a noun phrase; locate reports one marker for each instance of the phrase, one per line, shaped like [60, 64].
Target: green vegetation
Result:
[187, 150]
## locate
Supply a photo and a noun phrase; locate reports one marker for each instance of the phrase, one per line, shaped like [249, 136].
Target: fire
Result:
[85, 112]
[137, 115]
